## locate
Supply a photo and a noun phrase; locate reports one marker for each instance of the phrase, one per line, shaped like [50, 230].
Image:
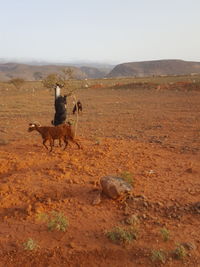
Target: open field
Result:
[149, 130]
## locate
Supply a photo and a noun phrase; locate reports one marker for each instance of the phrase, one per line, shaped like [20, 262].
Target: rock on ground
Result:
[114, 187]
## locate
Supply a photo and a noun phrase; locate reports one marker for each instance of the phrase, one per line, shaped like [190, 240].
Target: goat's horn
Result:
[37, 123]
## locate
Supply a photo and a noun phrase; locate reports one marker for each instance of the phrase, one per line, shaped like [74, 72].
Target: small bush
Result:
[128, 177]
[122, 236]
[52, 79]
[158, 256]
[179, 252]
[62, 79]
[132, 220]
[165, 234]
[30, 244]
[55, 221]
[17, 82]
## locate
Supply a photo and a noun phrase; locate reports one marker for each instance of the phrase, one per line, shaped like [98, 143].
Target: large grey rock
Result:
[115, 187]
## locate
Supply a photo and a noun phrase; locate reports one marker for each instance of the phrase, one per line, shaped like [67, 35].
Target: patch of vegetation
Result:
[17, 82]
[180, 252]
[165, 234]
[158, 256]
[55, 221]
[52, 79]
[120, 235]
[30, 244]
[128, 177]
[132, 220]
[62, 79]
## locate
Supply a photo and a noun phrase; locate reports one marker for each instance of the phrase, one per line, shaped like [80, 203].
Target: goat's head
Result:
[33, 126]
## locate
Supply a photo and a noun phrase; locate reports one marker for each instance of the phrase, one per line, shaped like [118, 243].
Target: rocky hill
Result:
[94, 73]
[38, 72]
[155, 67]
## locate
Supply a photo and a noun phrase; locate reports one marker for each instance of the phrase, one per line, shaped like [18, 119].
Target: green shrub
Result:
[30, 244]
[158, 256]
[132, 220]
[165, 234]
[55, 221]
[179, 252]
[122, 236]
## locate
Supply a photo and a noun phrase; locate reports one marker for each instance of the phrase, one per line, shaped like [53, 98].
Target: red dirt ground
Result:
[153, 134]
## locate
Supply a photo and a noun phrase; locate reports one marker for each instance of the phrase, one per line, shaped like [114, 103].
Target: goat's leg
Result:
[75, 142]
[44, 144]
[60, 142]
[51, 144]
[66, 143]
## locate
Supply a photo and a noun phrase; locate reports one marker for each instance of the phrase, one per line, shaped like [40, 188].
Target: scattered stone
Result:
[189, 170]
[196, 207]
[153, 218]
[48, 200]
[97, 199]
[72, 245]
[81, 208]
[29, 209]
[92, 182]
[145, 204]
[189, 245]
[115, 187]
[38, 208]
[144, 216]
[159, 204]
[140, 196]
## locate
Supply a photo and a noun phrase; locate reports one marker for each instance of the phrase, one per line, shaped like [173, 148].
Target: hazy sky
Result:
[113, 31]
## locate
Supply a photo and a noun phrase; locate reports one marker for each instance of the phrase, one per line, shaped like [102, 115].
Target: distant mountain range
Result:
[38, 71]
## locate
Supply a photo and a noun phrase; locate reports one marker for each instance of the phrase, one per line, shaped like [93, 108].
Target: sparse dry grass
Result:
[165, 234]
[30, 245]
[55, 221]
[121, 235]
[158, 256]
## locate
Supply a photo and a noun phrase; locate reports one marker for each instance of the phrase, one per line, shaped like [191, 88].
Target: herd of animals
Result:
[61, 130]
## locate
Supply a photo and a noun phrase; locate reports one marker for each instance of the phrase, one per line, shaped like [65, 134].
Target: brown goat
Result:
[50, 133]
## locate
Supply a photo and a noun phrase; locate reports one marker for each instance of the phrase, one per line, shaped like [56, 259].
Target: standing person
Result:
[60, 107]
